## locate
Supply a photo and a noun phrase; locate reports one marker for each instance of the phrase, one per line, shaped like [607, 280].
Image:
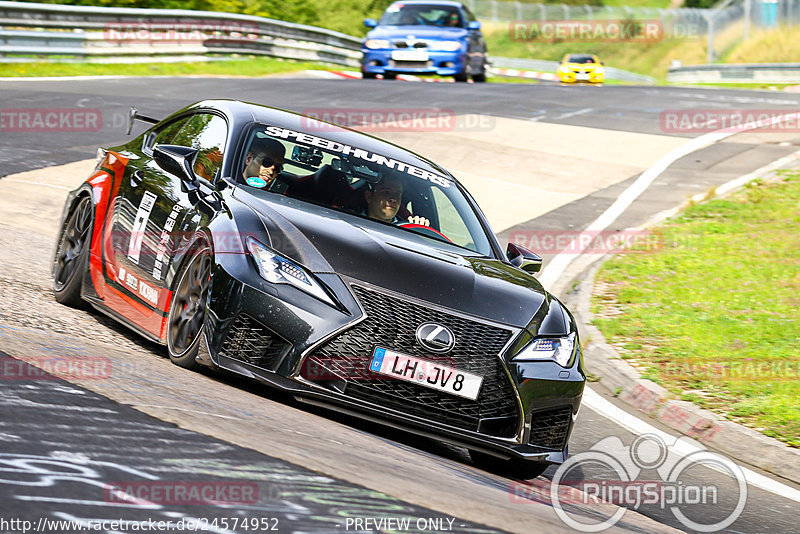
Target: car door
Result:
[151, 216]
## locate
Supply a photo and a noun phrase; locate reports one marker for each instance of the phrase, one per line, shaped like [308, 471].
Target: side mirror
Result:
[177, 160]
[523, 258]
[370, 23]
[474, 25]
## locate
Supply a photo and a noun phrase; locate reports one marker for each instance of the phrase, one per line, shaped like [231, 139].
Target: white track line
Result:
[560, 262]
[633, 424]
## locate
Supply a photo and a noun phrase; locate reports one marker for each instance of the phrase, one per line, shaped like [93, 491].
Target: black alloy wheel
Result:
[72, 254]
[188, 309]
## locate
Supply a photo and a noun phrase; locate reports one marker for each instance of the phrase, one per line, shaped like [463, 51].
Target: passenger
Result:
[383, 202]
[453, 20]
[265, 161]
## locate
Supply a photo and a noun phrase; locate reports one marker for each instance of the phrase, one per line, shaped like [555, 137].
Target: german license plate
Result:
[582, 76]
[425, 373]
[409, 55]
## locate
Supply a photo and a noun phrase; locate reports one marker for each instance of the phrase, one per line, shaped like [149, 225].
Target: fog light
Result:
[448, 64]
[374, 63]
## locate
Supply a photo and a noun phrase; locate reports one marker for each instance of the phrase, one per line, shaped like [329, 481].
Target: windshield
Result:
[361, 183]
[400, 14]
[581, 59]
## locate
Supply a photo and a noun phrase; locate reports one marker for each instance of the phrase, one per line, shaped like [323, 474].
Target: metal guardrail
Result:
[552, 66]
[737, 73]
[91, 31]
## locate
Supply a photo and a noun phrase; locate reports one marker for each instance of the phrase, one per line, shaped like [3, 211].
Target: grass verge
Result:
[712, 316]
[256, 66]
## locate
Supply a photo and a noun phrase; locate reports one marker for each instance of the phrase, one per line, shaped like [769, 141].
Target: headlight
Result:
[276, 269]
[564, 69]
[374, 44]
[599, 70]
[447, 46]
[558, 349]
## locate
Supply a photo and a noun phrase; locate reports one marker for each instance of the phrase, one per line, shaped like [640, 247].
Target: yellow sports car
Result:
[581, 68]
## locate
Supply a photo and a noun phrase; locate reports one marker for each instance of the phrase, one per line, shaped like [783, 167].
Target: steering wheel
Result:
[424, 230]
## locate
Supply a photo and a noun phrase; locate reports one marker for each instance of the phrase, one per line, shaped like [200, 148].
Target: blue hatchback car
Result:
[425, 37]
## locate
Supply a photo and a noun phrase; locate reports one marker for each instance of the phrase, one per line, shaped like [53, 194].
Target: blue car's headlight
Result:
[557, 349]
[376, 44]
[447, 46]
[276, 269]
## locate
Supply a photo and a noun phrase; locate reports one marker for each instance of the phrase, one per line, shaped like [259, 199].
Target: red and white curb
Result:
[354, 75]
[511, 73]
[517, 73]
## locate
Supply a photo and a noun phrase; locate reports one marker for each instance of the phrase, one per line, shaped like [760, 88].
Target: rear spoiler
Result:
[133, 115]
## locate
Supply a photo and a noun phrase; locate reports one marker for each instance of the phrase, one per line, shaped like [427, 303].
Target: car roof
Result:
[242, 113]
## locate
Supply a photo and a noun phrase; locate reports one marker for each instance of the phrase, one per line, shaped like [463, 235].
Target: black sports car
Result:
[330, 264]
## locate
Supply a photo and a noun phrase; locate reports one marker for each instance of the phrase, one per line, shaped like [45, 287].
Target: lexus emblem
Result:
[435, 337]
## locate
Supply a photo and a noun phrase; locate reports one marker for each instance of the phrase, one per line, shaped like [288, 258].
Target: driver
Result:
[383, 202]
[264, 161]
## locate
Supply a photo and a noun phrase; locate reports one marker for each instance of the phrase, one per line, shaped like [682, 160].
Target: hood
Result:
[424, 33]
[324, 240]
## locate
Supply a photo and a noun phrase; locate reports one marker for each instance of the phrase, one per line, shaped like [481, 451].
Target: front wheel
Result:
[389, 75]
[512, 468]
[188, 309]
[461, 76]
[368, 75]
[72, 254]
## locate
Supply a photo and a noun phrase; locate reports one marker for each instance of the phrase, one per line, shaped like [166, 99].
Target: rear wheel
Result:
[188, 309]
[461, 76]
[368, 75]
[72, 254]
[513, 468]
[389, 75]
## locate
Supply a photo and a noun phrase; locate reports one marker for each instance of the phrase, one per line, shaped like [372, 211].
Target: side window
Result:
[470, 17]
[450, 222]
[203, 131]
[166, 135]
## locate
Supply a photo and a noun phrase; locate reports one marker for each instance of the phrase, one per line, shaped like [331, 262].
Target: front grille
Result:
[249, 341]
[391, 323]
[410, 64]
[549, 428]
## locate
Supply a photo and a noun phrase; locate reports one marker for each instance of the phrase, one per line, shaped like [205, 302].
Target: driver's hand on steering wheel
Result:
[417, 219]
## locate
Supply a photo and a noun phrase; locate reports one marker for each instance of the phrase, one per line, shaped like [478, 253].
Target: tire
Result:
[187, 312]
[72, 254]
[461, 76]
[479, 78]
[368, 75]
[512, 468]
[389, 75]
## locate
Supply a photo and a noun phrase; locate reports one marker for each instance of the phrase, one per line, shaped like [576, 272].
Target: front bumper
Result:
[573, 77]
[273, 333]
[439, 62]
